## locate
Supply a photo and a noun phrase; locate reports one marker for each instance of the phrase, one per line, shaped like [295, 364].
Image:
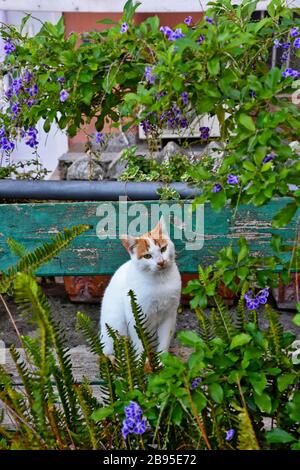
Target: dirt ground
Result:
[65, 312]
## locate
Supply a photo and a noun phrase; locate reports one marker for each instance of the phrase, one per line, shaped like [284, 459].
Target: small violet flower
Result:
[204, 133]
[208, 19]
[61, 80]
[232, 179]
[261, 298]
[99, 137]
[124, 28]
[134, 423]
[277, 43]
[269, 157]
[9, 47]
[297, 43]
[285, 45]
[294, 32]
[63, 96]
[200, 39]
[149, 75]
[288, 72]
[185, 98]
[217, 188]
[229, 434]
[195, 383]
[252, 94]
[188, 20]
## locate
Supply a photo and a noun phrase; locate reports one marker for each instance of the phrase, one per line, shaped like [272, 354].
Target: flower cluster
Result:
[32, 137]
[170, 34]
[195, 383]
[9, 47]
[134, 423]
[185, 98]
[149, 75]
[297, 43]
[294, 32]
[204, 133]
[174, 117]
[261, 298]
[290, 73]
[5, 143]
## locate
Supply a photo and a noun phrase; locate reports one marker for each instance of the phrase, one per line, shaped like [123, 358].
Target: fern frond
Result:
[240, 309]
[90, 332]
[147, 338]
[88, 404]
[246, 435]
[16, 248]
[222, 321]
[30, 262]
[127, 364]
[275, 331]
[107, 374]
[205, 327]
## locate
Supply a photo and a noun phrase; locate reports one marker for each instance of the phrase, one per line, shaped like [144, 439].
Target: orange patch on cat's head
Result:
[158, 236]
[141, 245]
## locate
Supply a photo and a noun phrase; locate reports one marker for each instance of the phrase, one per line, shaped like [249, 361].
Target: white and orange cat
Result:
[153, 276]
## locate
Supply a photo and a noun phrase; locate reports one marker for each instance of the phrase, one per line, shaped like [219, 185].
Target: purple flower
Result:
[99, 137]
[16, 86]
[33, 91]
[294, 32]
[297, 43]
[232, 179]
[277, 43]
[124, 28]
[217, 188]
[188, 20]
[61, 80]
[204, 133]
[269, 157]
[185, 97]
[32, 137]
[261, 298]
[200, 39]
[2, 131]
[284, 56]
[27, 76]
[15, 109]
[290, 73]
[30, 103]
[195, 383]
[6, 144]
[252, 93]
[285, 45]
[183, 123]
[134, 423]
[63, 96]
[170, 34]
[229, 434]
[149, 75]
[9, 47]
[208, 19]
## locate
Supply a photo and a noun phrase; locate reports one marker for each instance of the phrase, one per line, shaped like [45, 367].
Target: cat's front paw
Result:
[112, 359]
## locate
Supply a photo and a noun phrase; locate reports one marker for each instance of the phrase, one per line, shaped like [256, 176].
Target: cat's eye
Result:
[147, 256]
[163, 249]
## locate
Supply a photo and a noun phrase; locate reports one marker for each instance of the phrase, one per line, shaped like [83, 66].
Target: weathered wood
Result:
[33, 224]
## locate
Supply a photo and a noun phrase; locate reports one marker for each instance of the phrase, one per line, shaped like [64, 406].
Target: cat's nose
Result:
[160, 263]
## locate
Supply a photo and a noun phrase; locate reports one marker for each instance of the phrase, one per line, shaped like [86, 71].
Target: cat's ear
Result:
[128, 242]
[160, 230]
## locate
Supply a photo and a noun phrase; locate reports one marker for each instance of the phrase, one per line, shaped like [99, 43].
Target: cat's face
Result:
[153, 251]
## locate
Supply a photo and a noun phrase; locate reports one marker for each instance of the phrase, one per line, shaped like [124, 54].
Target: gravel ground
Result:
[65, 311]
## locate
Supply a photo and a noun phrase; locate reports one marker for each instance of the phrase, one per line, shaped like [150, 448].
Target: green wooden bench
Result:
[35, 223]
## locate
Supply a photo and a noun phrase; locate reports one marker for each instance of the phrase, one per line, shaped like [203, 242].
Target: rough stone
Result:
[215, 151]
[85, 168]
[169, 151]
[115, 168]
[117, 142]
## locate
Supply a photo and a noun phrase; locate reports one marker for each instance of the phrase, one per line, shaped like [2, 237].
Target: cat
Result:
[153, 276]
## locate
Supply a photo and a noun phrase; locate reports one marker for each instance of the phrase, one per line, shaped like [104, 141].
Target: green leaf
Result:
[296, 319]
[102, 413]
[47, 125]
[240, 340]
[213, 66]
[284, 380]
[247, 122]
[263, 401]
[190, 338]
[177, 414]
[283, 217]
[216, 392]
[107, 21]
[279, 436]
[199, 400]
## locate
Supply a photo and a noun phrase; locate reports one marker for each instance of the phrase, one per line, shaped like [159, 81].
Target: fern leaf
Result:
[275, 331]
[246, 436]
[148, 338]
[205, 327]
[222, 321]
[16, 248]
[30, 262]
[90, 331]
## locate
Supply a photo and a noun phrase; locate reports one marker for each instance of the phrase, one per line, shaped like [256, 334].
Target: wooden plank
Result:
[33, 224]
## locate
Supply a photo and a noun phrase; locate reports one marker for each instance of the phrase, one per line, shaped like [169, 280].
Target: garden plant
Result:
[239, 386]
